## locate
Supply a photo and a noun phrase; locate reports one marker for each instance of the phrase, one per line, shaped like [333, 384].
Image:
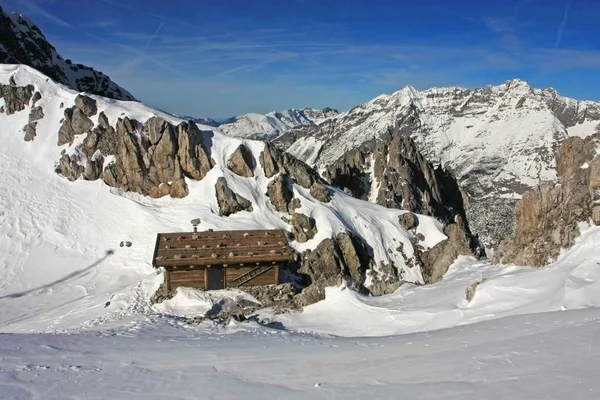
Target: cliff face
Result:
[22, 42]
[547, 217]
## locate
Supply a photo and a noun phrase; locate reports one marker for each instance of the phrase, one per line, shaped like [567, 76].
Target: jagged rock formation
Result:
[499, 141]
[392, 172]
[281, 194]
[242, 162]
[304, 227]
[547, 216]
[271, 125]
[15, 97]
[344, 257]
[229, 201]
[22, 42]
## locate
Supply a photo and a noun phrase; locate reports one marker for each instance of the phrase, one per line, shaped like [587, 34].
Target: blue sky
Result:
[226, 57]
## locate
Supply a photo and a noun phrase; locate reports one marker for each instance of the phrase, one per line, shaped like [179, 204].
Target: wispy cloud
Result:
[35, 9]
[102, 23]
[154, 35]
[563, 24]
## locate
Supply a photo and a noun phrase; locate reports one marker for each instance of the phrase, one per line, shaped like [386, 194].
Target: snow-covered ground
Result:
[76, 323]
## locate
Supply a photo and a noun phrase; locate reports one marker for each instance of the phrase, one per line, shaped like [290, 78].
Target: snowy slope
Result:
[543, 356]
[270, 125]
[59, 256]
[22, 42]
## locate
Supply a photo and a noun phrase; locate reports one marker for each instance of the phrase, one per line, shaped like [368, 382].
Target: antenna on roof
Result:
[195, 222]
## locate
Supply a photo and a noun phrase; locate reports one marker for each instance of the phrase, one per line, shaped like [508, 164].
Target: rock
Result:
[30, 131]
[74, 123]
[596, 215]
[242, 162]
[471, 289]
[36, 113]
[320, 192]
[93, 168]
[69, 167]
[193, 156]
[304, 227]
[229, 201]
[162, 294]
[274, 161]
[15, 97]
[436, 260]
[408, 220]
[37, 96]
[86, 104]
[547, 217]
[281, 194]
[344, 257]
[281, 297]
[179, 188]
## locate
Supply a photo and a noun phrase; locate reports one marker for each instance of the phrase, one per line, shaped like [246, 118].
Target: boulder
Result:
[304, 227]
[242, 162]
[179, 188]
[86, 104]
[16, 98]
[274, 161]
[320, 192]
[229, 201]
[69, 166]
[281, 195]
[194, 158]
[93, 168]
[30, 131]
[408, 220]
[36, 113]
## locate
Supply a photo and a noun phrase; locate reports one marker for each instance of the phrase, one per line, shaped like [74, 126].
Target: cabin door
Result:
[216, 278]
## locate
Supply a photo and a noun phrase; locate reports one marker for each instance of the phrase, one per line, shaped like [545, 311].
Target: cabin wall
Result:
[266, 278]
[188, 278]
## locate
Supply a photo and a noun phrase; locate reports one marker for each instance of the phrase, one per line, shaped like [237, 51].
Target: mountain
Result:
[85, 172]
[202, 121]
[22, 42]
[269, 126]
[499, 141]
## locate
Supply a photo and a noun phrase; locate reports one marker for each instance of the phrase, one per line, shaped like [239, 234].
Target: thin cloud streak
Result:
[153, 36]
[37, 10]
[563, 24]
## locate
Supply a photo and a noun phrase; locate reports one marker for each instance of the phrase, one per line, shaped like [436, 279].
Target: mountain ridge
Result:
[22, 42]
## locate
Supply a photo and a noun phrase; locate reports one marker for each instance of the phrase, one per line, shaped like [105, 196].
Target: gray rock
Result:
[281, 195]
[320, 192]
[15, 97]
[408, 220]
[229, 201]
[69, 166]
[75, 123]
[304, 227]
[274, 161]
[86, 104]
[37, 96]
[93, 168]
[30, 131]
[36, 113]
[242, 162]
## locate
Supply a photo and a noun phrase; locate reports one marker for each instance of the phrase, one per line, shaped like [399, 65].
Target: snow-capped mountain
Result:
[499, 141]
[22, 42]
[269, 126]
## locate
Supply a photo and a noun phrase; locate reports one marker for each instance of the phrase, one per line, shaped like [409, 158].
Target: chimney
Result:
[195, 222]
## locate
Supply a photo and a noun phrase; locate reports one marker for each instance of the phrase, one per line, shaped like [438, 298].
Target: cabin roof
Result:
[224, 248]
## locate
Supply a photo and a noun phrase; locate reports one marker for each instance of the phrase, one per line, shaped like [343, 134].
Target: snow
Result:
[76, 322]
[274, 123]
[59, 240]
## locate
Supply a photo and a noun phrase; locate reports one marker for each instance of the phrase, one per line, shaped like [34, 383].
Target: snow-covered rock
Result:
[269, 126]
[499, 141]
[22, 42]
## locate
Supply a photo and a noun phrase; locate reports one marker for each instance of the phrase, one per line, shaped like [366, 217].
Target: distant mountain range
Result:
[22, 42]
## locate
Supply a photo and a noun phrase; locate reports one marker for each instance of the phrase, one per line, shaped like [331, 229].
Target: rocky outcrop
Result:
[242, 162]
[392, 172]
[436, 260]
[22, 42]
[320, 192]
[15, 97]
[281, 195]
[344, 257]
[547, 217]
[76, 122]
[274, 161]
[229, 201]
[86, 104]
[35, 114]
[153, 157]
[93, 167]
[69, 166]
[304, 227]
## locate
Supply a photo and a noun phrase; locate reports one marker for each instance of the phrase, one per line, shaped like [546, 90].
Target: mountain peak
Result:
[22, 42]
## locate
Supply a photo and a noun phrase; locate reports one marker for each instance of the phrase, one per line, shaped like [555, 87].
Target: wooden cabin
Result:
[223, 259]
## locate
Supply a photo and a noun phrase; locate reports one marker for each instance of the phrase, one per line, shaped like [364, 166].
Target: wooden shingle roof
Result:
[186, 249]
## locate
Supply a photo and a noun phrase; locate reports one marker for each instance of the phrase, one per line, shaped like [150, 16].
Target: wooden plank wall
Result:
[266, 278]
[193, 278]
